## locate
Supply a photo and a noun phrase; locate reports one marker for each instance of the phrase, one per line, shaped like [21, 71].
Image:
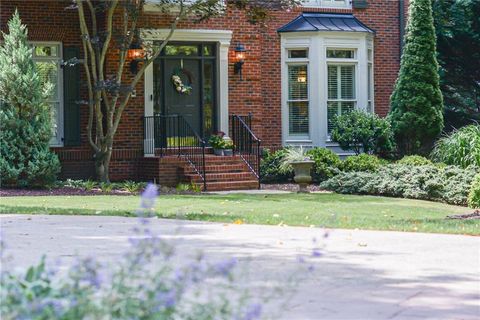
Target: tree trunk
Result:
[102, 165]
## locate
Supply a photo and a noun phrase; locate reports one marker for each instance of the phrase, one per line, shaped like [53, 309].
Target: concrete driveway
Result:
[362, 274]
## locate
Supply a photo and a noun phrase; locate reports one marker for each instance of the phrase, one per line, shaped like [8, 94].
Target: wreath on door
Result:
[180, 86]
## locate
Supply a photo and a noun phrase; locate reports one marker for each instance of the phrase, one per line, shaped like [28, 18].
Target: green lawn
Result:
[319, 210]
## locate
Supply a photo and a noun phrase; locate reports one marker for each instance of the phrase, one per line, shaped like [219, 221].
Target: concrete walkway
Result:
[362, 274]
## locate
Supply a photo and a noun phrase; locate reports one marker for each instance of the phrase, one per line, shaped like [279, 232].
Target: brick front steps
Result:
[222, 172]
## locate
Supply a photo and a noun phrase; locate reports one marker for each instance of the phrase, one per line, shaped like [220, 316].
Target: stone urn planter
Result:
[228, 152]
[302, 174]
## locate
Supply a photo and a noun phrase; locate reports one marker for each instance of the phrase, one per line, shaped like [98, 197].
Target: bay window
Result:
[47, 58]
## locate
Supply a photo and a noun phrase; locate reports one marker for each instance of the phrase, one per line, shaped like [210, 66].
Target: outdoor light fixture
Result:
[135, 53]
[240, 59]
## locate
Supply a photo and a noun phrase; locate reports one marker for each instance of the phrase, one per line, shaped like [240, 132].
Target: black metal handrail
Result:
[172, 134]
[247, 145]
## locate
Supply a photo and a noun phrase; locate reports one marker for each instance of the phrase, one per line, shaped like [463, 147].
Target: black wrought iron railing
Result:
[247, 145]
[172, 134]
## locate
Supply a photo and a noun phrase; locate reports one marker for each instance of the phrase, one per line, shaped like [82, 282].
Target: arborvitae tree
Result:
[417, 103]
[25, 115]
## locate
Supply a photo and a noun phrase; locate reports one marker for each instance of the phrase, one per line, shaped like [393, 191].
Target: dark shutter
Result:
[71, 94]
[359, 4]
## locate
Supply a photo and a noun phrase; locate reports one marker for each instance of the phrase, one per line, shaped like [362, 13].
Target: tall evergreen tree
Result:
[457, 24]
[25, 115]
[417, 103]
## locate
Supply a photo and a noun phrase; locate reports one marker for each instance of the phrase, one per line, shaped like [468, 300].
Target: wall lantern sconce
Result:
[136, 54]
[240, 59]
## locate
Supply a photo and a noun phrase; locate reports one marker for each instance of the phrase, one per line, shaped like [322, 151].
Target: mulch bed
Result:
[468, 216]
[78, 192]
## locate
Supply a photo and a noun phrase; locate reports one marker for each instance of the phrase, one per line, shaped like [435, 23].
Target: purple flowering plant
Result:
[149, 282]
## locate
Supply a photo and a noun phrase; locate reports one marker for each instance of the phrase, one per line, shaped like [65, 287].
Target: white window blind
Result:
[341, 91]
[298, 99]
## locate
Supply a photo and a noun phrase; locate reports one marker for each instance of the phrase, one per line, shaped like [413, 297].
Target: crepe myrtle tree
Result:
[109, 94]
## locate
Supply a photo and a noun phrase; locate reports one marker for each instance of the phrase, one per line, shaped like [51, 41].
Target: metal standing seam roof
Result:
[309, 21]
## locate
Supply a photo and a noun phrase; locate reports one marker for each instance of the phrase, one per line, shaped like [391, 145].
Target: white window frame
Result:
[339, 62]
[59, 140]
[345, 4]
[371, 79]
[299, 62]
[299, 139]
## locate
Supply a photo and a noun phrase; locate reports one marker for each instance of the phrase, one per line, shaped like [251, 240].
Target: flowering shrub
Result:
[148, 283]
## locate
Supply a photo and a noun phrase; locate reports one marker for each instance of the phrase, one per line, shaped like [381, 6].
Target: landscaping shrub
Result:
[415, 161]
[327, 163]
[450, 184]
[363, 132]
[270, 167]
[474, 194]
[461, 147]
[25, 115]
[361, 162]
[416, 110]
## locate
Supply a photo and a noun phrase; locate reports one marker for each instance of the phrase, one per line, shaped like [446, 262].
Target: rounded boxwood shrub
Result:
[361, 162]
[363, 132]
[415, 161]
[474, 194]
[271, 170]
[327, 163]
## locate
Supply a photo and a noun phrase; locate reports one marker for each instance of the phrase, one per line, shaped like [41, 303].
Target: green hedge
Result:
[327, 163]
[415, 161]
[362, 162]
[474, 195]
[270, 167]
[450, 184]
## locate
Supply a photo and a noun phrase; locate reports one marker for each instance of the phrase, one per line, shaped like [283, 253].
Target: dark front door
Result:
[185, 85]
[182, 90]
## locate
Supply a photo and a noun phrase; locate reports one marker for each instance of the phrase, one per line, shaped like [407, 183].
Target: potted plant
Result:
[217, 143]
[227, 146]
[302, 165]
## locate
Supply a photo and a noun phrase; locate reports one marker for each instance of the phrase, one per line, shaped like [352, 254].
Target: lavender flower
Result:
[254, 311]
[147, 203]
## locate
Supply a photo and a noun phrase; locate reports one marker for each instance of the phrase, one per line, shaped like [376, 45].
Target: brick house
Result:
[301, 69]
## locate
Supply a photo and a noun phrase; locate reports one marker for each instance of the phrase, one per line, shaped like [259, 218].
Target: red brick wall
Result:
[259, 92]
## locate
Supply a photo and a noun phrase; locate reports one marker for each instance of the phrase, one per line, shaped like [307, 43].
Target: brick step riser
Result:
[227, 186]
[223, 178]
[219, 169]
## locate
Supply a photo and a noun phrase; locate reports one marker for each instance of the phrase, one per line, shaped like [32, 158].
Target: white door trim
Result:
[222, 37]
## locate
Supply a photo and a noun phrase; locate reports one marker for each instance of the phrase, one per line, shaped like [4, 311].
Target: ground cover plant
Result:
[316, 210]
[147, 283]
[448, 184]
